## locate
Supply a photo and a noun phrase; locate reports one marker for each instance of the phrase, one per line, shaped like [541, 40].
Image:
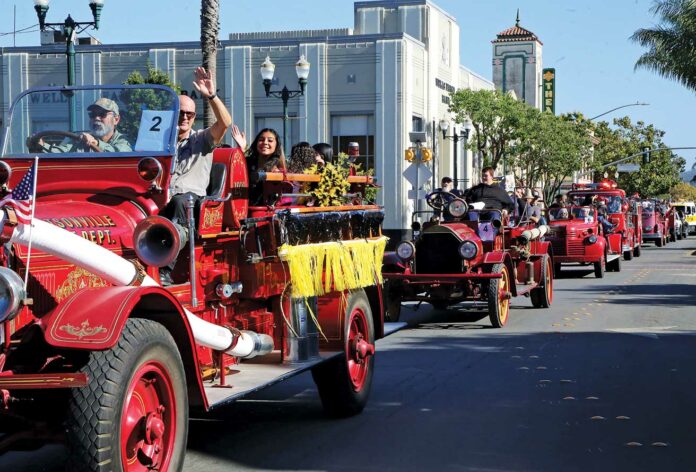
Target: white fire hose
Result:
[534, 233]
[119, 271]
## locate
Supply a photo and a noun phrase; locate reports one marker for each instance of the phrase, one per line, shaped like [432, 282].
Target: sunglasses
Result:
[98, 113]
[188, 114]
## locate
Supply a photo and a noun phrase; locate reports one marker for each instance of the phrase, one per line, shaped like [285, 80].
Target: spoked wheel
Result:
[344, 382]
[599, 268]
[133, 415]
[542, 296]
[499, 297]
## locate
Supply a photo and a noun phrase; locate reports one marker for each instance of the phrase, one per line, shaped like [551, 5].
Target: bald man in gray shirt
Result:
[194, 148]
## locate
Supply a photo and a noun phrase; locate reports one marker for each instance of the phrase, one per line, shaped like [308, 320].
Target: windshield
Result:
[92, 121]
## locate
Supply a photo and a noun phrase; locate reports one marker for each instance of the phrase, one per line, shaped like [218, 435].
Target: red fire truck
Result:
[656, 222]
[90, 340]
[623, 237]
[467, 255]
[576, 236]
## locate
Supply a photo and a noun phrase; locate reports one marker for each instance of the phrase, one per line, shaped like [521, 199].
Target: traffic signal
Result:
[646, 155]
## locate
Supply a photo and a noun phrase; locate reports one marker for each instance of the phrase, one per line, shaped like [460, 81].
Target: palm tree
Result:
[671, 43]
[210, 28]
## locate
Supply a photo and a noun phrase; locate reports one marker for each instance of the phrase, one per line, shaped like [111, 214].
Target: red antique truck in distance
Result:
[468, 255]
[655, 222]
[576, 236]
[96, 347]
[624, 237]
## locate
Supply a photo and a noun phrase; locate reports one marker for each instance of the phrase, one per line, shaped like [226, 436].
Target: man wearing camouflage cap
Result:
[102, 136]
[103, 117]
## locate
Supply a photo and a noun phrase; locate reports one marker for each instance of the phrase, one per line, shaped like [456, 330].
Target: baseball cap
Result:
[106, 104]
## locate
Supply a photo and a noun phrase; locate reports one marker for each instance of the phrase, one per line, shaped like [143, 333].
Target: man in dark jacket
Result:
[494, 196]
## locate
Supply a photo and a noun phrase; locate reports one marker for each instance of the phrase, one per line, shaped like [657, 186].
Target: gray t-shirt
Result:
[194, 159]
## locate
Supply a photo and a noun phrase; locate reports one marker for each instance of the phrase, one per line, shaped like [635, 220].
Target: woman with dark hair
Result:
[303, 157]
[266, 153]
[324, 152]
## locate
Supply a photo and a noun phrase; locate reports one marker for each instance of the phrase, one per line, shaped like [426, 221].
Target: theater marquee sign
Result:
[549, 84]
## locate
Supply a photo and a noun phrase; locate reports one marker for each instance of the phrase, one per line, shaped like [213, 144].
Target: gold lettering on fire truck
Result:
[212, 217]
[83, 330]
[76, 280]
[91, 228]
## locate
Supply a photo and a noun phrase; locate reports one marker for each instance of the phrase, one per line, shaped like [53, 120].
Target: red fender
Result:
[93, 318]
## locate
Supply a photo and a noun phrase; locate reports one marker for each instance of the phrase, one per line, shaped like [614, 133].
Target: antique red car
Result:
[577, 236]
[92, 344]
[623, 238]
[655, 222]
[467, 255]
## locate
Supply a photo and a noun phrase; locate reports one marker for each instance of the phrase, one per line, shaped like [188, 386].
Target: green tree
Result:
[210, 28]
[136, 100]
[683, 191]
[670, 44]
[496, 118]
[628, 138]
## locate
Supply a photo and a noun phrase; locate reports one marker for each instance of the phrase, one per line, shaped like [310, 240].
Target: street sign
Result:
[417, 174]
[627, 168]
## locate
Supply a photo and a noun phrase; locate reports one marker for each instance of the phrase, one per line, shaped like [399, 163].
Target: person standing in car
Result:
[488, 192]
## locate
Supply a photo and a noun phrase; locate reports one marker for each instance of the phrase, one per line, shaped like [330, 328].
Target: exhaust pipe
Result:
[119, 271]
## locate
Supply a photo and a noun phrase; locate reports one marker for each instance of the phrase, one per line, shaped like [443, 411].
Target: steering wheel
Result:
[33, 140]
[439, 199]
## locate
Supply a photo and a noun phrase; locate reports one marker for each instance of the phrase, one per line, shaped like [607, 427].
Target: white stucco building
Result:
[374, 83]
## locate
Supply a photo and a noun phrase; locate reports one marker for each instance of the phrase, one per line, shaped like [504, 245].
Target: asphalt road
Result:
[603, 380]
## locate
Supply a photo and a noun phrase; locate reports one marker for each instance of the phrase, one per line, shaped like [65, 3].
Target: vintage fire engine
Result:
[96, 344]
[467, 255]
[624, 238]
[576, 236]
[655, 222]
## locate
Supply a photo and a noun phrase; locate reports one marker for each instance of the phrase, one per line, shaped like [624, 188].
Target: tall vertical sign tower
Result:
[517, 63]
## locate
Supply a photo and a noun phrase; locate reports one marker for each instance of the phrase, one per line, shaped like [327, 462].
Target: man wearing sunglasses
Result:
[194, 153]
[102, 136]
[103, 118]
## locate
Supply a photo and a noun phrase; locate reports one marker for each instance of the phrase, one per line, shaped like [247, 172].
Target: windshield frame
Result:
[172, 140]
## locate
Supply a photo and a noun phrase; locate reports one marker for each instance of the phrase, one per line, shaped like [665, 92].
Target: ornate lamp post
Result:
[444, 126]
[267, 72]
[69, 28]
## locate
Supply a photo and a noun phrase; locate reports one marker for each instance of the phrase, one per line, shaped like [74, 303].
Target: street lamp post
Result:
[267, 72]
[444, 126]
[637, 104]
[70, 28]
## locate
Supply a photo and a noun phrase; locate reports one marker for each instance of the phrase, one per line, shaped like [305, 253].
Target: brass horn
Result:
[158, 241]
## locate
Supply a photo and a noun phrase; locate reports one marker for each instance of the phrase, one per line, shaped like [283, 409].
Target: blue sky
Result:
[586, 41]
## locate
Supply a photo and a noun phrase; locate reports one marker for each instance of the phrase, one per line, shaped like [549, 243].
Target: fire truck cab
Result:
[621, 232]
[94, 345]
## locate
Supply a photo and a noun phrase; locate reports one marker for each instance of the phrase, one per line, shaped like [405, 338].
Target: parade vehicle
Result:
[655, 227]
[469, 255]
[687, 210]
[625, 236]
[92, 344]
[577, 237]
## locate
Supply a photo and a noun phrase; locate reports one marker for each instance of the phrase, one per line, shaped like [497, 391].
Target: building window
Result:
[276, 123]
[359, 129]
[417, 123]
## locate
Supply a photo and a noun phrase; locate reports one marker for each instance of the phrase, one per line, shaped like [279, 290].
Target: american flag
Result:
[22, 197]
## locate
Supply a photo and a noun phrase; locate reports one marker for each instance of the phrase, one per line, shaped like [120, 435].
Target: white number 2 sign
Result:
[154, 131]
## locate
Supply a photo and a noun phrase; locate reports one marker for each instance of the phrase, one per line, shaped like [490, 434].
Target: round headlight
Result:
[457, 207]
[149, 169]
[11, 293]
[592, 239]
[405, 250]
[5, 172]
[468, 250]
